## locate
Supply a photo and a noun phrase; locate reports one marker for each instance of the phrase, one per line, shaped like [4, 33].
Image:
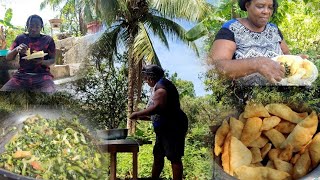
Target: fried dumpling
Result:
[285, 112]
[314, 150]
[275, 137]
[239, 154]
[302, 166]
[256, 155]
[225, 157]
[285, 127]
[283, 166]
[220, 137]
[259, 142]
[260, 173]
[255, 110]
[302, 133]
[251, 130]
[265, 150]
[270, 122]
[236, 127]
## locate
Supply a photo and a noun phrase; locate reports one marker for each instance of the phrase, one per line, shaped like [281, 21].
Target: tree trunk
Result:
[139, 85]
[131, 87]
[82, 25]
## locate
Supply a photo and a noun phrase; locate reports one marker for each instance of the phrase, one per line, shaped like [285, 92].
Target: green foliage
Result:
[103, 95]
[298, 21]
[185, 88]
[11, 32]
[300, 26]
[196, 161]
[7, 18]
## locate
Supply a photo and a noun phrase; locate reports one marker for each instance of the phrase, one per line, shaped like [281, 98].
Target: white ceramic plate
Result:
[301, 81]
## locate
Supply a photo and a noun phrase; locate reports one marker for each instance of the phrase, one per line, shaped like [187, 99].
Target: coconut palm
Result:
[132, 24]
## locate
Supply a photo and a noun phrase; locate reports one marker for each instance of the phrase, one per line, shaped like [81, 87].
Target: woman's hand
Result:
[303, 56]
[22, 48]
[270, 69]
[134, 116]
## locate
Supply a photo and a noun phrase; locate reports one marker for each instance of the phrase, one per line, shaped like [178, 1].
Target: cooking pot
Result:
[112, 134]
[12, 123]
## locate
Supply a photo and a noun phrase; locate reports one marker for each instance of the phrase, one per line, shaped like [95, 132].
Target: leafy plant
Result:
[11, 31]
[103, 94]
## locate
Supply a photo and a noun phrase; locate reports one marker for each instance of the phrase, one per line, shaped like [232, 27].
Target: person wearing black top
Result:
[169, 121]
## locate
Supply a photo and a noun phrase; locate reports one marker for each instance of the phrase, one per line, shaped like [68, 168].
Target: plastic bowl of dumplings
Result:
[302, 72]
[274, 141]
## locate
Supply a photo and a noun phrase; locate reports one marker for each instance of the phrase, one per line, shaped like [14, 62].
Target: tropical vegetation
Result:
[131, 26]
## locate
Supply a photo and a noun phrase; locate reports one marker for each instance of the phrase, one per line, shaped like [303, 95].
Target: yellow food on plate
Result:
[34, 55]
[298, 71]
[307, 65]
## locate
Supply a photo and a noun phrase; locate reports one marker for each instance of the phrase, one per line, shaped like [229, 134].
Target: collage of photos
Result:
[159, 89]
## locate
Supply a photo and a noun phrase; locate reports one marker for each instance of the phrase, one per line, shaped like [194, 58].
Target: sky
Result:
[180, 58]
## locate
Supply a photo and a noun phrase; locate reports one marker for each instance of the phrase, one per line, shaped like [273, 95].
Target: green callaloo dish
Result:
[53, 149]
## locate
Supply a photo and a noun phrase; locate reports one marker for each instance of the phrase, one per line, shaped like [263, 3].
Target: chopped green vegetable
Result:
[54, 149]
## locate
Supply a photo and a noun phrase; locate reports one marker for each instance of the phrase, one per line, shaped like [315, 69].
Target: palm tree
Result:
[131, 24]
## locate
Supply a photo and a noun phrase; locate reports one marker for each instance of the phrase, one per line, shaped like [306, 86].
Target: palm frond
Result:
[143, 48]
[106, 48]
[53, 3]
[173, 29]
[111, 10]
[197, 32]
[192, 10]
[156, 27]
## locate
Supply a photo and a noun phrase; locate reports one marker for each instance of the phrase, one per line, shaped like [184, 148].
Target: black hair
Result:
[33, 17]
[242, 5]
[153, 71]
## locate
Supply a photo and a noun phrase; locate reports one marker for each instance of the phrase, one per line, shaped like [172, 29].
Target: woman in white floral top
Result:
[243, 47]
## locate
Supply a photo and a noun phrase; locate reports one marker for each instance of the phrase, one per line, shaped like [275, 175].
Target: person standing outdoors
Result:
[169, 121]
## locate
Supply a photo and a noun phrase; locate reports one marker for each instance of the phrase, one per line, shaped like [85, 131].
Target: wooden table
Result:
[123, 145]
